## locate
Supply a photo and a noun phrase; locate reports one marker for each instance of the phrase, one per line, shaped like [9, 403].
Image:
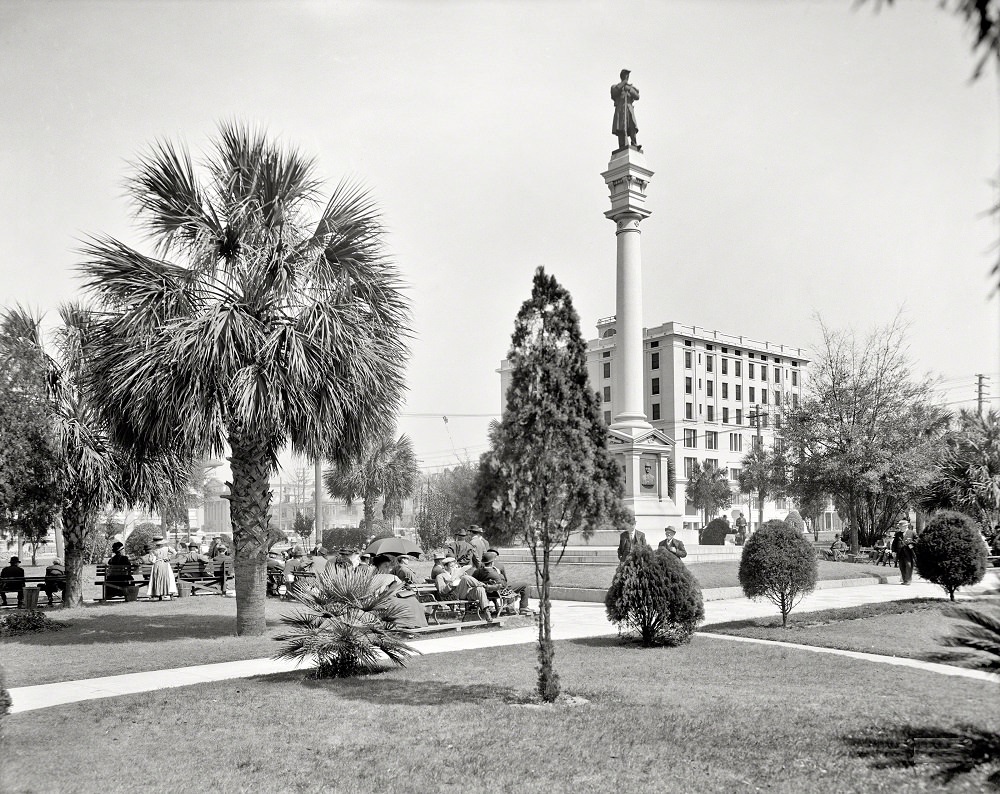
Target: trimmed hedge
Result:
[778, 564]
[794, 520]
[715, 531]
[654, 594]
[951, 551]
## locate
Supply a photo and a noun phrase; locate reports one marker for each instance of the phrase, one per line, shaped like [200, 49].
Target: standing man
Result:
[741, 526]
[478, 543]
[672, 544]
[623, 94]
[460, 549]
[628, 540]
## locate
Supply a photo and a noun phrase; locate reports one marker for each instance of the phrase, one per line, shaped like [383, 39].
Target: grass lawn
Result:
[897, 628]
[711, 716]
[709, 574]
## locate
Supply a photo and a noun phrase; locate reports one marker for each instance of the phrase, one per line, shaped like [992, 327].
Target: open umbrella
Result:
[394, 546]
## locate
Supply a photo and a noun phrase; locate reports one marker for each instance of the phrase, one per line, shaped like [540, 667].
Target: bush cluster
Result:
[26, 621]
[778, 564]
[794, 520]
[139, 538]
[655, 595]
[715, 531]
[951, 552]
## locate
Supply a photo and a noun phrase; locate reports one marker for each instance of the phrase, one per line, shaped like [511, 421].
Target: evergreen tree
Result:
[708, 490]
[549, 467]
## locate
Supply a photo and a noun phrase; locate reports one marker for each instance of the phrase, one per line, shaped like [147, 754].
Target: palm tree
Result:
[266, 319]
[386, 468]
[92, 472]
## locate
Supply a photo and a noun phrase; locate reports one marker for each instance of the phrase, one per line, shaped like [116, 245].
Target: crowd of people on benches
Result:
[161, 557]
[12, 580]
[466, 570]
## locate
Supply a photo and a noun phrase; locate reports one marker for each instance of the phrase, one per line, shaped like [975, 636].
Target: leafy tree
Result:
[348, 625]
[967, 476]
[267, 319]
[778, 564]
[141, 536]
[92, 469]
[548, 466]
[868, 432]
[303, 525]
[708, 490]
[386, 469]
[951, 552]
[446, 501]
[794, 520]
[654, 594]
[764, 475]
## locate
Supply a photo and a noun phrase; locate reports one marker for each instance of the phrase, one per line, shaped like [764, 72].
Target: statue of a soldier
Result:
[623, 94]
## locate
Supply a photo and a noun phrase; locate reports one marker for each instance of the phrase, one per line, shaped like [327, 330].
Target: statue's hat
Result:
[624, 73]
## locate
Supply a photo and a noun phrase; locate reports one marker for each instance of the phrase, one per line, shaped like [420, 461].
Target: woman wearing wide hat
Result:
[161, 577]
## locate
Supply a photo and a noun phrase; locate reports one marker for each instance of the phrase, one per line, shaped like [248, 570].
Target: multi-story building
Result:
[705, 391]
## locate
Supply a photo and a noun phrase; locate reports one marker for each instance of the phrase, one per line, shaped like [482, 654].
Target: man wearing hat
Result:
[12, 581]
[55, 579]
[460, 548]
[628, 540]
[402, 570]
[438, 568]
[453, 584]
[478, 543]
[365, 562]
[494, 581]
[672, 544]
[623, 94]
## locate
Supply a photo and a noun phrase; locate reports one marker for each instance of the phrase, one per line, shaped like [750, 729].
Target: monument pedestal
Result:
[643, 455]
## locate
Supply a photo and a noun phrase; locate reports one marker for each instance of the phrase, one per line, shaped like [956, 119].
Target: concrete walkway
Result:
[570, 620]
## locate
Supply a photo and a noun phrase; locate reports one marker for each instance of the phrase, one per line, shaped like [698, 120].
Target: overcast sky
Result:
[809, 157]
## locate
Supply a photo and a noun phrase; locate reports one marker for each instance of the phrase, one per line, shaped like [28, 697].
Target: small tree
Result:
[303, 525]
[951, 552]
[778, 564]
[654, 594]
[708, 490]
[794, 520]
[141, 536]
[549, 471]
[763, 476]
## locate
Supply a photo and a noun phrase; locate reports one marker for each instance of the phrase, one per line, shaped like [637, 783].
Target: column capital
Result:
[627, 177]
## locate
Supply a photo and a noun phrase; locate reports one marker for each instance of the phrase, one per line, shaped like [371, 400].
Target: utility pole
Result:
[980, 392]
[756, 416]
[318, 499]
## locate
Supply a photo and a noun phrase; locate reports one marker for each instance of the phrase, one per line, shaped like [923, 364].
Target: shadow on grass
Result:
[380, 689]
[134, 627]
[946, 753]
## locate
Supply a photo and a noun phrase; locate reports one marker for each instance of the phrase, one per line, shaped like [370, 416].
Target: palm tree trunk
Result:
[75, 528]
[369, 504]
[548, 680]
[249, 501]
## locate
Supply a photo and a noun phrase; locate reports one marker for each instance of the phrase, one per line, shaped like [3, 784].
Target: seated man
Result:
[318, 561]
[296, 562]
[453, 584]
[12, 581]
[838, 549]
[365, 562]
[55, 580]
[403, 571]
[494, 582]
[438, 568]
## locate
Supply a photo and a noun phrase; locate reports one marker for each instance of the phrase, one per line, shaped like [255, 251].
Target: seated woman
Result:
[119, 573]
[410, 614]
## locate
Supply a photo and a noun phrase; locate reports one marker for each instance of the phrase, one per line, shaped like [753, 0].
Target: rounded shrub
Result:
[778, 564]
[655, 595]
[950, 551]
[143, 534]
[715, 531]
[27, 621]
[794, 520]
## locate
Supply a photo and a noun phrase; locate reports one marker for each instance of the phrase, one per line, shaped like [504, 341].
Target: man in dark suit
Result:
[628, 540]
[12, 581]
[494, 581]
[672, 544]
[55, 580]
[460, 548]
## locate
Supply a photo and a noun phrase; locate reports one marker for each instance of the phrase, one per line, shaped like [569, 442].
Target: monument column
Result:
[626, 178]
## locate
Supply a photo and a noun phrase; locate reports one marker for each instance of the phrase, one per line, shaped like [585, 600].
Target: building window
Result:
[795, 378]
[688, 411]
[750, 369]
[711, 413]
[763, 372]
[777, 397]
[777, 374]
[656, 410]
[725, 391]
[687, 385]
[654, 361]
[709, 363]
[725, 366]
[739, 416]
[763, 358]
[763, 396]
[654, 344]
[711, 440]
[753, 394]
[606, 354]
[689, 466]
[735, 442]
[710, 347]
[739, 393]
[687, 359]
[607, 394]
[607, 417]
[738, 368]
[711, 463]
[656, 385]
[725, 415]
[687, 343]
[607, 369]
[734, 475]
[781, 503]
[795, 401]
[710, 388]
[691, 438]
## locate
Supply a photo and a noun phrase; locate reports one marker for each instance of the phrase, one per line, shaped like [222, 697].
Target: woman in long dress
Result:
[161, 577]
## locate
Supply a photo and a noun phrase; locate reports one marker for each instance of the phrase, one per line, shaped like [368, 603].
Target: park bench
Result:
[9, 587]
[201, 576]
[993, 559]
[468, 624]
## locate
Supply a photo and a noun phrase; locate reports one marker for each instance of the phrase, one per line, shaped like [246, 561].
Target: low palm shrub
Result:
[951, 551]
[655, 595]
[348, 624]
[778, 564]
